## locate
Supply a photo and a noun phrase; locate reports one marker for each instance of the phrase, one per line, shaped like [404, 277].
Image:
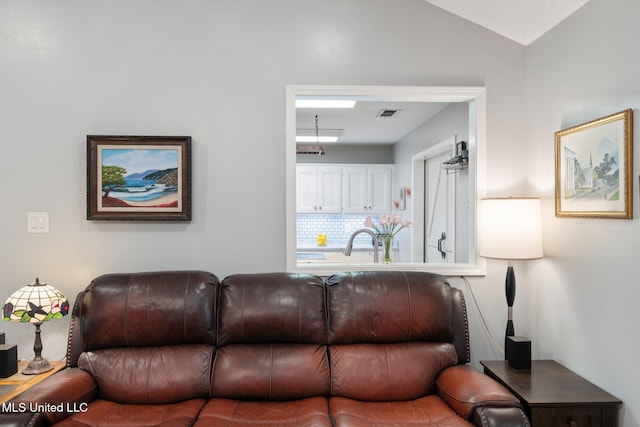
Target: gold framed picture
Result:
[594, 167]
[594, 164]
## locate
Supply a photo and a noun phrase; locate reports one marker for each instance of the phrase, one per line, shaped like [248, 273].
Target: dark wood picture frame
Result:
[139, 178]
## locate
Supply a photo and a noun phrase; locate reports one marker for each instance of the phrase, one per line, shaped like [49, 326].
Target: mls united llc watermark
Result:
[68, 407]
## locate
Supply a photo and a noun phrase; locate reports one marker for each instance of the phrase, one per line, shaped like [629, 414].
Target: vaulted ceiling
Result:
[520, 20]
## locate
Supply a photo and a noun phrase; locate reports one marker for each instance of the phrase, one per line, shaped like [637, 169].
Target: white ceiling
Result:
[520, 20]
[362, 124]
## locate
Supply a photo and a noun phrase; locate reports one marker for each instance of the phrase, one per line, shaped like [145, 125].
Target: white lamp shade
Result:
[510, 228]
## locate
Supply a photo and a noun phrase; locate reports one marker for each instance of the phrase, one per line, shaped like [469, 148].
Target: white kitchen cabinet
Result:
[318, 189]
[367, 189]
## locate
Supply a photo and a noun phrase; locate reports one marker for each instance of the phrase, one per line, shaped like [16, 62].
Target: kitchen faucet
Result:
[347, 250]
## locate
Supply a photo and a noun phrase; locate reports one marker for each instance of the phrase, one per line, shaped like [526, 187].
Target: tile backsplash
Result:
[337, 227]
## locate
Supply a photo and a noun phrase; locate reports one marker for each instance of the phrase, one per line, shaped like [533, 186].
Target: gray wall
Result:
[371, 154]
[452, 120]
[215, 70]
[583, 295]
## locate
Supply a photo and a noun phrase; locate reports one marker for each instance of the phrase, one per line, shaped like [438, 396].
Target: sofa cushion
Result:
[148, 309]
[269, 308]
[106, 413]
[234, 413]
[426, 411]
[368, 307]
[152, 375]
[388, 372]
[271, 371]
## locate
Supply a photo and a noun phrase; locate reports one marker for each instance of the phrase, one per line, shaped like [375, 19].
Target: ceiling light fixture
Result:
[316, 149]
[325, 103]
[323, 136]
[322, 150]
[320, 139]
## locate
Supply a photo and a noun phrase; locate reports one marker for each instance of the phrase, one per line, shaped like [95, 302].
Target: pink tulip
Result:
[368, 222]
[384, 220]
[389, 226]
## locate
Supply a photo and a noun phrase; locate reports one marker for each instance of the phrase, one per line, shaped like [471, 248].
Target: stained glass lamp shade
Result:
[36, 303]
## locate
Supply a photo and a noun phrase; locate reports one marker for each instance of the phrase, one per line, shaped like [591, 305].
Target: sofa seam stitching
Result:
[126, 310]
[271, 372]
[184, 308]
[406, 279]
[299, 308]
[386, 358]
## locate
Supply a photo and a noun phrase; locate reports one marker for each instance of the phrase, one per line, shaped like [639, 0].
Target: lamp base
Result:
[510, 291]
[37, 366]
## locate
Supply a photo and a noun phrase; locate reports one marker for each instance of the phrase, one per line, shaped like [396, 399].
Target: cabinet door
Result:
[354, 189]
[379, 189]
[329, 197]
[306, 189]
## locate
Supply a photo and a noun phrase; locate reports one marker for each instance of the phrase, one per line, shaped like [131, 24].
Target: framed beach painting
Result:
[139, 178]
[594, 163]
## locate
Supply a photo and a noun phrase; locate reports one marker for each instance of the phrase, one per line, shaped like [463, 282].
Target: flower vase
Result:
[386, 241]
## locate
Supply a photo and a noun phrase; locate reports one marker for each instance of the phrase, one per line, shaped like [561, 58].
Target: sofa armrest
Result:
[64, 392]
[22, 419]
[500, 417]
[470, 393]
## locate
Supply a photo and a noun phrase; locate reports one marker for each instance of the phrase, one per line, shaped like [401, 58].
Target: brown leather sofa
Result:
[179, 348]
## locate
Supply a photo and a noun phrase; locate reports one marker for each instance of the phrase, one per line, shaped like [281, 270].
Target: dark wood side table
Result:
[554, 396]
[17, 383]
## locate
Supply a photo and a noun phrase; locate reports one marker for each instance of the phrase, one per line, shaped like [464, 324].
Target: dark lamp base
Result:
[37, 366]
[519, 350]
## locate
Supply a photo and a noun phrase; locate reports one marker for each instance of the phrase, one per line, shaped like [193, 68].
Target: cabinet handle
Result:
[572, 423]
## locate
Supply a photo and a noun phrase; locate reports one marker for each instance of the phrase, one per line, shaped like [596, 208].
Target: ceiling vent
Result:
[387, 113]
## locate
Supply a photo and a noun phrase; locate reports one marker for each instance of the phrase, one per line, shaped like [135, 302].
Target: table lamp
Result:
[36, 303]
[511, 229]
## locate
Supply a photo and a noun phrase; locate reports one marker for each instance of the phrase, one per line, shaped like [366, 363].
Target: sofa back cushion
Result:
[271, 338]
[390, 334]
[272, 307]
[151, 375]
[146, 309]
[385, 307]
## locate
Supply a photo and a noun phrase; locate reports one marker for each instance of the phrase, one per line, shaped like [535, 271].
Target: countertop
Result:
[312, 246]
[331, 253]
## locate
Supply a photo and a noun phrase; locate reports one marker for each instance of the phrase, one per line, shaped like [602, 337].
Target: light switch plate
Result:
[37, 222]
